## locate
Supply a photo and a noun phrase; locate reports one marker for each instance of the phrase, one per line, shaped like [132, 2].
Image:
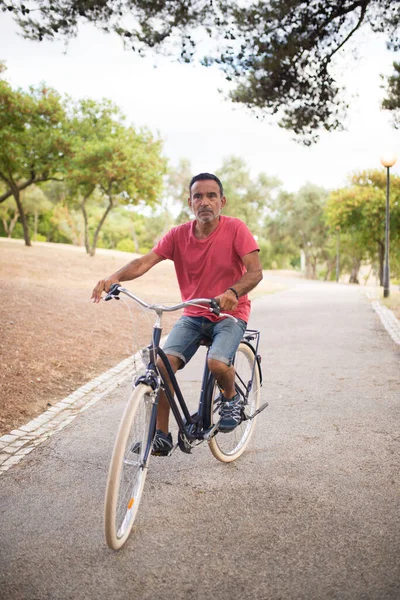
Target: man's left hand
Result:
[227, 301]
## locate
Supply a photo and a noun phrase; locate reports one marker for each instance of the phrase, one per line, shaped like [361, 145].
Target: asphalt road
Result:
[310, 511]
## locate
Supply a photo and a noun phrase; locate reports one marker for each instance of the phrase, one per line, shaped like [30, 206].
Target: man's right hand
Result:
[102, 286]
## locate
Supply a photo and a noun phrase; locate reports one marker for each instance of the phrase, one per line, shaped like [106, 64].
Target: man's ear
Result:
[223, 201]
[190, 202]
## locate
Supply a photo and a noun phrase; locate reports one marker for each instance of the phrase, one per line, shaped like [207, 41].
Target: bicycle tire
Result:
[127, 472]
[227, 447]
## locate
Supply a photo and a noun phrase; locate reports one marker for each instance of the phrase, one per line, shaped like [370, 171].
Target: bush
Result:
[18, 232]
[265, 254]
[126, 245]
[40, 238]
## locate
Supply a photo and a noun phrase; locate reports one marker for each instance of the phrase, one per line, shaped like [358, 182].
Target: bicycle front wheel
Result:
[128, 469]
[227, 447]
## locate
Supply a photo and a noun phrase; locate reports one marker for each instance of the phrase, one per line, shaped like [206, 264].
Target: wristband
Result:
[235, 292]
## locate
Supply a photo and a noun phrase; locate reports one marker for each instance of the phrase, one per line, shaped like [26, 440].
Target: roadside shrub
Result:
[126, 245]
[265, 254]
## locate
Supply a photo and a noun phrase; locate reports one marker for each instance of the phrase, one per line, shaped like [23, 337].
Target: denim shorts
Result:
[188, 332]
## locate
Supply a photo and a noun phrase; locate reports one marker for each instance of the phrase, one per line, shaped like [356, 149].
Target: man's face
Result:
[206, 201]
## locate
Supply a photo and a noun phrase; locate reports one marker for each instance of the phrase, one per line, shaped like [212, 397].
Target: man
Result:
[214, 257]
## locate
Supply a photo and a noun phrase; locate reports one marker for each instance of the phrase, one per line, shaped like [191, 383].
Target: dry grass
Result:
[53, 338]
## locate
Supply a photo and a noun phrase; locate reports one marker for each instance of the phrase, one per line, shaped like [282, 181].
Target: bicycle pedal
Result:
[184, 444]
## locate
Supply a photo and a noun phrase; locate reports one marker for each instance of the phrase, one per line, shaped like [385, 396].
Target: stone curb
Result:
[387, 317]
[389, 320]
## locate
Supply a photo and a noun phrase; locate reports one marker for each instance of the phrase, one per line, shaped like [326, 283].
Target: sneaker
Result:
[230, 412]
[162, 444]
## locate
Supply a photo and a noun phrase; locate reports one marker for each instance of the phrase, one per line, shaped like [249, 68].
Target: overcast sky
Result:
[183, 104]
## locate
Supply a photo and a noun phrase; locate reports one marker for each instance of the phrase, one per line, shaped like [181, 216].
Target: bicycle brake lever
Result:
[215, 307]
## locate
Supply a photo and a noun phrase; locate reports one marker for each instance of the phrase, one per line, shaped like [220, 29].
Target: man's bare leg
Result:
[163, 404]
[224, 375]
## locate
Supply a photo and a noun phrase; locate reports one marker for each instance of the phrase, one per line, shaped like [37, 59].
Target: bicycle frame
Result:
[200, 427]
[153, 375]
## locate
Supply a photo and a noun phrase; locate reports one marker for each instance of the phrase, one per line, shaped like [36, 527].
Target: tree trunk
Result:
[99, 226]
[8, 228]
[311, 267]
[369, 275]
[16, 194]
[86, 224]
[329, 268]
[381, 258]
[354, 270]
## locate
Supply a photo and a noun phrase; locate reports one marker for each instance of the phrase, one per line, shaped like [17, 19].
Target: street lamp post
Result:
[337, 253]
[387, 160]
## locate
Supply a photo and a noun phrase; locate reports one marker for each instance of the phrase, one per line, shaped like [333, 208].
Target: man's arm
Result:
[250, 279]
[134, 269]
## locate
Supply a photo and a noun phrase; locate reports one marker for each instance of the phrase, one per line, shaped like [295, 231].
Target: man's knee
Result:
[217, 367]
[174, 361]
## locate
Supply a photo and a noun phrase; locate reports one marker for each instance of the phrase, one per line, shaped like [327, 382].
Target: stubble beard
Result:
[207, 216]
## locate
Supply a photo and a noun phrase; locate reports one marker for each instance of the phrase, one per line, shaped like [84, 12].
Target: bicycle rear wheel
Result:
[127, 472]
[227, 447]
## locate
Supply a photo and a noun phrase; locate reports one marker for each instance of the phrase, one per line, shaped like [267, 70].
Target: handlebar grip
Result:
[215, 307]
[113, 292]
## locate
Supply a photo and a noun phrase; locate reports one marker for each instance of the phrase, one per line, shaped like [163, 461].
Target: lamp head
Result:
[388, 159]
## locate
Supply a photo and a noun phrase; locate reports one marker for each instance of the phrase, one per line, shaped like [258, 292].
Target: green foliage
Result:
[126, 245]
[247, 198]
[176, 190]
[277, 54]
[40, 238]
[392, 101]
[359, 211]
[122, 165]
[296, 223]
[33, 141]
[266, 256]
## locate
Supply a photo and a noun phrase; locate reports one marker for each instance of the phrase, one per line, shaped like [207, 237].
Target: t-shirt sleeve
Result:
[244, 240]
[166, 246]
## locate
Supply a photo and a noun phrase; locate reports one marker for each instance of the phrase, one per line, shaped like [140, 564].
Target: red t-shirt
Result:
[207, 268]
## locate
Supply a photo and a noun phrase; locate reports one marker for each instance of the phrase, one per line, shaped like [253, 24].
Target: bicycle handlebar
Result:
[116, 289]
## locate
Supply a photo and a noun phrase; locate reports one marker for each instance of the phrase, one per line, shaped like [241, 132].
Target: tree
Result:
[122, 165]
[247, 198]
[278, 54]
[297, 224]
[176, 189]
[9, 216]
[33, 141]
[392, 101]
[360, 210]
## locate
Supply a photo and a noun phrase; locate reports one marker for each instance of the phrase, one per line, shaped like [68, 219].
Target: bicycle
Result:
[133, 444]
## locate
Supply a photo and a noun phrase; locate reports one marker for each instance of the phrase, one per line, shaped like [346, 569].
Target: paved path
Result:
[311, 511]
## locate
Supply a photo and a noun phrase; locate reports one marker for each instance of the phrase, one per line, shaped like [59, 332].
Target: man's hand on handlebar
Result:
[227, 301]
[103, 286]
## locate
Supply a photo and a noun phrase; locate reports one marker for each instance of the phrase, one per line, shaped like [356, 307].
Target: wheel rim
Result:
[232, 442]
[132, 474]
